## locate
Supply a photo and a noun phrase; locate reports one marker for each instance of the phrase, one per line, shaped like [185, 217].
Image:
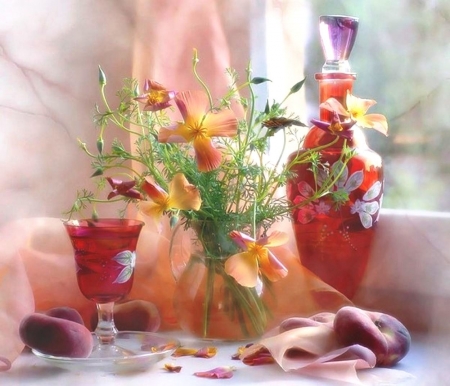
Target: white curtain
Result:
[49, 56]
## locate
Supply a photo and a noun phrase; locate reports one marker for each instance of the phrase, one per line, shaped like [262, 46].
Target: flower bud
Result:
[94, 215]
[101, 77]
[82, 145]
[100, 145]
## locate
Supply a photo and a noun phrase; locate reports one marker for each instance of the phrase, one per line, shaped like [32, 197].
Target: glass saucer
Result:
[145, 348]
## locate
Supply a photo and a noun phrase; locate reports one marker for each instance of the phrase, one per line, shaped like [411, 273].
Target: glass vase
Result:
[334, 241]
[209, 303]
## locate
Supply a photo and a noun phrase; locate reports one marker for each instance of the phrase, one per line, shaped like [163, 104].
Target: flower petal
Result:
[221, 124]
[243, 267]
[151, 209]
[332, 104]
[374, 121]
[275, 239]
[155, 192]
[178, 133]
[206, 352]
[222, 372]
[182, 194]
[242, 240]
[256, 355]
[171, 368]
[192, 104]
[358, 106]
[271, 267]
[207, 156]
[184, 351]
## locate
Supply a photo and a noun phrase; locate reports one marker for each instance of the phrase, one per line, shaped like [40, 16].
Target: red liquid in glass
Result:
[95, 249]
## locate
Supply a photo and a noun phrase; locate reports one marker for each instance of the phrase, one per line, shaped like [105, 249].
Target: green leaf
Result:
[259, 80]
[296, 87]
[98, 172]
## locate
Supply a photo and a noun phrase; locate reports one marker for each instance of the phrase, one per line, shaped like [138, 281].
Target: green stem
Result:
[209, 293]
[200, 80]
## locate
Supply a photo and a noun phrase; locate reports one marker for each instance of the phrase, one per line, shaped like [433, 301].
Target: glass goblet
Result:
[105, 256]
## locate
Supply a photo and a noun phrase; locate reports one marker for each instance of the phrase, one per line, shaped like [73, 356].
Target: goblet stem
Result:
[106, 330]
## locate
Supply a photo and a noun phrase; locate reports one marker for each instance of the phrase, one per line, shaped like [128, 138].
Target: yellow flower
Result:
[356, 111]
[257, 258]
[182, 195]
[200, 125]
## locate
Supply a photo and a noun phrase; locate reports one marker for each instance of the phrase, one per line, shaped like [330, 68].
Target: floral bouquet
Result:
[203, 163]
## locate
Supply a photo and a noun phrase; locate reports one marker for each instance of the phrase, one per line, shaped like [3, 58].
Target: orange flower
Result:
[356, 110]
[257, 258]
[155, 96]
[182, 195]
[199, 127]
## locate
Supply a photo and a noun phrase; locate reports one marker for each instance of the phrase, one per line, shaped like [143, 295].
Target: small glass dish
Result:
[144, 350]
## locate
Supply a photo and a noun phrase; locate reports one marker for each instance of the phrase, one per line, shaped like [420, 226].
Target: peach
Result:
[65, 313]
[56, 336]
[385, 335]
[134, 315]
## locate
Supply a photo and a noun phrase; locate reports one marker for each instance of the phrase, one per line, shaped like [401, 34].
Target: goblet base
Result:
[133, 351]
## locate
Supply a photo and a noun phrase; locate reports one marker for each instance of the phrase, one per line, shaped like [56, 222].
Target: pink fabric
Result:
[38, 268]
[16, 297]
[314, 351]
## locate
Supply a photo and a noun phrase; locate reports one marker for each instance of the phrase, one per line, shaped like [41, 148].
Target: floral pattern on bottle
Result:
[366, 208]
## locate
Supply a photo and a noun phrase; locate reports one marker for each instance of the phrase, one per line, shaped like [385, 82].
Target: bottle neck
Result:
[333, 85]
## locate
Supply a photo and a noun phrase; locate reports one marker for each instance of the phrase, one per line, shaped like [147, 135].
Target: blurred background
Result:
[50, 52]
[401, 57]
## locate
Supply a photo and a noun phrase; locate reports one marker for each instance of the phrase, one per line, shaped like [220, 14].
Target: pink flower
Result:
[155, 96]
[123, 188]
[336, 127]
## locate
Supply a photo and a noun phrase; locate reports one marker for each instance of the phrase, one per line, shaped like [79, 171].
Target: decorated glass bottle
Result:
[334, 233]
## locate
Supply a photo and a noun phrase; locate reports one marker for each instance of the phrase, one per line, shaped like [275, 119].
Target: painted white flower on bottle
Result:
[365, 208]
[128, 260]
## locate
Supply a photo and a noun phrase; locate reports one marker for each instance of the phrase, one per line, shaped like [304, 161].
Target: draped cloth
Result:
[37, 272]
[52, 92]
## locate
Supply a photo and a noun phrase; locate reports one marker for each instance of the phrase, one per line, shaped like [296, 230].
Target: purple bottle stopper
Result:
[337, 35]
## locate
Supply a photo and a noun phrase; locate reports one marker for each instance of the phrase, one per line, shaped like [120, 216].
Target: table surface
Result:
[427, 363]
